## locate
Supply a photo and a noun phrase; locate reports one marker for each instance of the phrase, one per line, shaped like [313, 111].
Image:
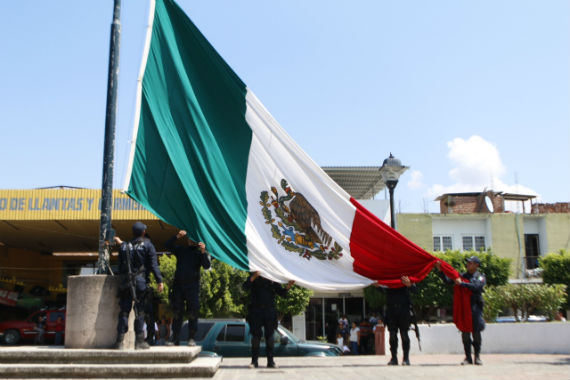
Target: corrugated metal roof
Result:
[361, 182]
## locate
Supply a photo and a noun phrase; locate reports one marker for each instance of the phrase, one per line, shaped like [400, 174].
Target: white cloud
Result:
[477, 165]
[415, 181]
[477, 161]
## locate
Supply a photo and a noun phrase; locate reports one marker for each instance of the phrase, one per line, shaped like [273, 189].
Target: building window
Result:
[442, 243]
[479, 243]
[467, 243]
[473, 243]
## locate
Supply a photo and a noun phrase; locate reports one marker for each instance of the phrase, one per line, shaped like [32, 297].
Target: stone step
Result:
[199, 367]
[60, 355]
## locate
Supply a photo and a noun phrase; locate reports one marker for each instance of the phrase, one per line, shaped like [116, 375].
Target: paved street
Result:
[446, 367]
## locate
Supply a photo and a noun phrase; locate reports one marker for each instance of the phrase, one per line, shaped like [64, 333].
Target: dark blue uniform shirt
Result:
[143, 259]
[189, 259]
[263, 291]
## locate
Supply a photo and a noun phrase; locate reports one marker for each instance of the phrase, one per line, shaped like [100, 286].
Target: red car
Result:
[14, 332]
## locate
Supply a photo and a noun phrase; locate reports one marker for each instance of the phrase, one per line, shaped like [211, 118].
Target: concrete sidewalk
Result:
[440, 367]
[426, 366]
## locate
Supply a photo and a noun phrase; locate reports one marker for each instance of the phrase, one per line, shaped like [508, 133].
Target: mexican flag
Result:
[208, 157]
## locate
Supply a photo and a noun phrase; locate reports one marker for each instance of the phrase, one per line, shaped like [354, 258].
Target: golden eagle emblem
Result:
[296, 225]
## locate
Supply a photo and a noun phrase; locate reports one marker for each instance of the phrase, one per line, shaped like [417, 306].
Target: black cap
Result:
[138, 229]
[473, 259]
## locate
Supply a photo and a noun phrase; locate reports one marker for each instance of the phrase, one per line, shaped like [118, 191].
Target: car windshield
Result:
[283, 331]
[203, 329]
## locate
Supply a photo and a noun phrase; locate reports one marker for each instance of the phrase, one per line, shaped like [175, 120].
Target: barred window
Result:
[436, 243]
[442, 243]
[447, 243]
[479, 243]
[467, 243]
[473, 243]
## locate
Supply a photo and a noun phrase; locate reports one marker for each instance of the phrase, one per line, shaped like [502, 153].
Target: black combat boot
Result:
[477, 358]
[406, 349]
[120, 342]
[394, 360]
[467, 349]
[140, 343]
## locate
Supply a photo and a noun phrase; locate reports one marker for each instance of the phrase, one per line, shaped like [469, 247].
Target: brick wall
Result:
[470, 204]
[550, 208]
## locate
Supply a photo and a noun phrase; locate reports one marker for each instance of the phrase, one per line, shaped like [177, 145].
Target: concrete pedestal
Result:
[92, 313]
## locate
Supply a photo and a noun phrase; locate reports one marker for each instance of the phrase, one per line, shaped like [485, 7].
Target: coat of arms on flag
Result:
[296, 224]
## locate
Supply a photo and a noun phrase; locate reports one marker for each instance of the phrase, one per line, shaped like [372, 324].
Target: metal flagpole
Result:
[105, 231]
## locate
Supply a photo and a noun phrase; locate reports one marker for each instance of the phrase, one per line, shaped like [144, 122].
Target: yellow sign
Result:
[66, 204]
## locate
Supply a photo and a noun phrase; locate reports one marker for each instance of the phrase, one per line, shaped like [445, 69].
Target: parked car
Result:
[230, 337]
[16, 331]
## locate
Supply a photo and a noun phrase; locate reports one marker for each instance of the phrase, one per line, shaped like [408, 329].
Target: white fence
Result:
[498, 338]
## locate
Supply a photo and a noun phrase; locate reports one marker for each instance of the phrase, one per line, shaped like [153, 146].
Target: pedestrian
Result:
[343, 332]
[373, 320]
[365, 335]
[137, 259]
[398, 318]
[262, 314]
[58, 328]
[354, 338]
[474, 281]
[344, 321]
[185, 298]
[40, 328]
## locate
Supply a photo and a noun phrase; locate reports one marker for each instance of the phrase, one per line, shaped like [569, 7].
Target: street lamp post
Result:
[391, 170]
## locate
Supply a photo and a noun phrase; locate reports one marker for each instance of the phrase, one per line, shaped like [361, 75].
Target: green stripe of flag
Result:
[191, 154]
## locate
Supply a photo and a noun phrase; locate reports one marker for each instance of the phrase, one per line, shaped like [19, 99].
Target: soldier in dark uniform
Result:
[262, 313]
[186, 287]
[473, 280]
[140, 255]
[398, 317]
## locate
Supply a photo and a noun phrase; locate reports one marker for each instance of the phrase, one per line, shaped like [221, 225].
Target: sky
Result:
[471, 95]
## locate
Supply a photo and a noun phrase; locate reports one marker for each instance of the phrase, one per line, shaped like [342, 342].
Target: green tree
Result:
[221, 294]
[295, 303]
[167, 265]
[375, 298]
[556, 270]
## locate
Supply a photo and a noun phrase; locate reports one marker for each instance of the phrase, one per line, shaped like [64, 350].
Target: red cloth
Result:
[382, 254]
[462, 308]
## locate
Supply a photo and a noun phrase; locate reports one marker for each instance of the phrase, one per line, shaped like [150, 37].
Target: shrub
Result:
[556, 270]
[494, 303]
[524, 299]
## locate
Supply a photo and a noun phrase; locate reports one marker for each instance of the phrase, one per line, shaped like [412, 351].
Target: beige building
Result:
[474, 221]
